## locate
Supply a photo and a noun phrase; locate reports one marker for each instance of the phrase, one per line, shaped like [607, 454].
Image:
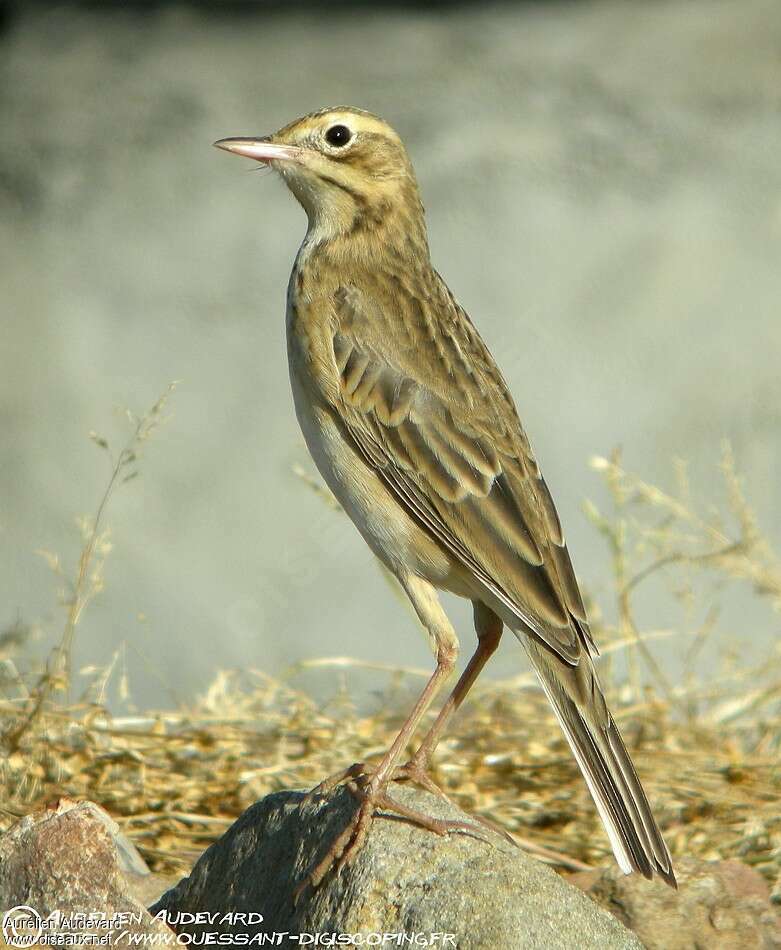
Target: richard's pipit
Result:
[412, 426]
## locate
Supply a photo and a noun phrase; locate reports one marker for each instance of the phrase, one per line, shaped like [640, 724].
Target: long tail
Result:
[580, 707]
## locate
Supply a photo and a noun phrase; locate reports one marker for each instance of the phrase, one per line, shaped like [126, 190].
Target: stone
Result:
[71, 859]
[719, 904]
[485, 893]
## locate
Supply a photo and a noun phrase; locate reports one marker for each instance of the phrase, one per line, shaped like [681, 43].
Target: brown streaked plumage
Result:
[413, 428]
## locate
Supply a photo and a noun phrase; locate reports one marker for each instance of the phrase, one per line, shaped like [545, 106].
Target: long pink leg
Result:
[489, 632]
[370, 787]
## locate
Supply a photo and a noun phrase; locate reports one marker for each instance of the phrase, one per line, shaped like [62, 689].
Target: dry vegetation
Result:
[705, 742]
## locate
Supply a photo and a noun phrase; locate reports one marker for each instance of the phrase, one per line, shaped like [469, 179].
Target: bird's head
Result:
[348, 169]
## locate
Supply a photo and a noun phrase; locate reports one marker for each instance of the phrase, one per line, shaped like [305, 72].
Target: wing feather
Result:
[451, 447]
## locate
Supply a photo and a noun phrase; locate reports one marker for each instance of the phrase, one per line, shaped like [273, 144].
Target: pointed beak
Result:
[260, 149]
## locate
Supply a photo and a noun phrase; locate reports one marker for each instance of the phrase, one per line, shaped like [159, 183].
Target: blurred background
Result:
[603, 188]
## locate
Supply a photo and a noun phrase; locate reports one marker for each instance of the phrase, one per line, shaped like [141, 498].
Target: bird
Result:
[413, 428]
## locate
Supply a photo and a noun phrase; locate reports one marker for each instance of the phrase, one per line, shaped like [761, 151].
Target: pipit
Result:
[413, 428]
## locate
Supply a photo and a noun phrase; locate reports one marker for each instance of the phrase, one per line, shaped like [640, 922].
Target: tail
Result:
[580, 707]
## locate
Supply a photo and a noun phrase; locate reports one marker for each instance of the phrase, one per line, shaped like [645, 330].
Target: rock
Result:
[719, 904]
[406, 879]
[71, 858]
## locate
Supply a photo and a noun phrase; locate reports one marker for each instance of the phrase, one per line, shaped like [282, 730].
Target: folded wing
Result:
[456, 458]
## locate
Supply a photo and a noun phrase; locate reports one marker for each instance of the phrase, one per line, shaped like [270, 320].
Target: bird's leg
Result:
[489, 631]
[370, 787]
[415, 770]
[360, 773]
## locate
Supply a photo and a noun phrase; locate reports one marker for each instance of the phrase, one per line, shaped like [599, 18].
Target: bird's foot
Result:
[413, 771]
[360, 772]
[372, 796]
[356, 771]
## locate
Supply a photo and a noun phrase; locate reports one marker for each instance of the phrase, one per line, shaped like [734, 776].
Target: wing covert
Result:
[455, 456]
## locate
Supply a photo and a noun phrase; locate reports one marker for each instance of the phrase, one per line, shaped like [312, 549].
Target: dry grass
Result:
[706, 742]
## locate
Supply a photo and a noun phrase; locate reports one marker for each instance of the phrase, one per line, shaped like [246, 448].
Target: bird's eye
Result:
[338, 135]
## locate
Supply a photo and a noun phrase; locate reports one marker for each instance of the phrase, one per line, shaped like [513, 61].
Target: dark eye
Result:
[338, 135]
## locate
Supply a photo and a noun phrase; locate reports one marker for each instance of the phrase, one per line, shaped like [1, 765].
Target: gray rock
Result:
[485, 893]
[72, 859]
[721, 905]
